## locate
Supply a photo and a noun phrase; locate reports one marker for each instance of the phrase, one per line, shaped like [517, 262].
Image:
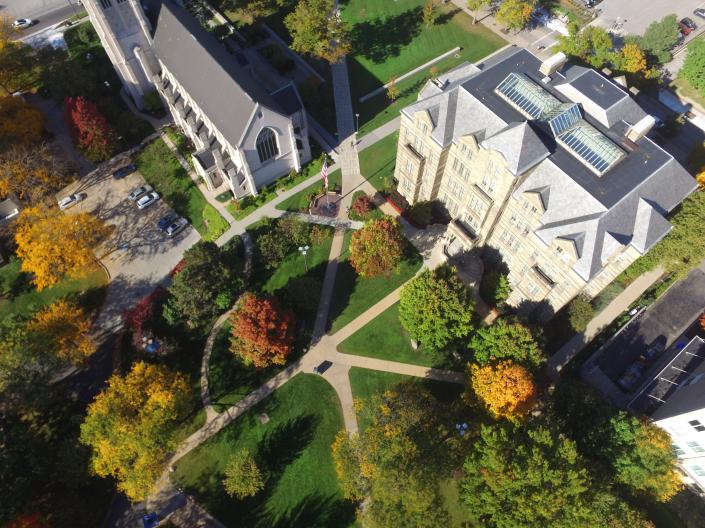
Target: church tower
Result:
[125, 33]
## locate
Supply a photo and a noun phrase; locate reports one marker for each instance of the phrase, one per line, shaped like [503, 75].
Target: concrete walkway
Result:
[572, 348]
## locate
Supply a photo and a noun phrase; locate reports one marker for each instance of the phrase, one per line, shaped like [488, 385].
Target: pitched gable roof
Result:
[226, 92]
[521, 147]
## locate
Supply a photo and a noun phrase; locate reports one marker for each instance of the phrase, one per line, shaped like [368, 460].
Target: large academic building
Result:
[548, 163]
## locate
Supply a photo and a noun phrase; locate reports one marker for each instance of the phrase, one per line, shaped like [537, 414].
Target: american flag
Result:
[324, 172]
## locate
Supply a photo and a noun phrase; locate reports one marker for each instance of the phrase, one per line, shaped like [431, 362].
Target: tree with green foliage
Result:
[693, 69]
[420, 214]
[475, 6]
[592, 45]
[580, 313]
[205, 286]
[130, 426]
[507, 339]
[242, 476]
[660, 37]
[279, 237]
[436, 308]
[317, 30]
[526, 476]
[395, 460]
[636, 453]
[515, 14]
[249, 11]
[495, 288]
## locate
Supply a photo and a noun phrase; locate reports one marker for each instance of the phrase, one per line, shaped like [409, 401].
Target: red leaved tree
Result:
[141, 315]
[89, 128]
[262, 331]
[362, 205]
[377, 248]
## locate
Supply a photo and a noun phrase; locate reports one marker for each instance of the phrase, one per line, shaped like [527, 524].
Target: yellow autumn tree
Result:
[66, 326]
[53, 245]
[506, 389]
[20, 123]
[700, 178]
[130, 427]
[31, 172]
[632, 59]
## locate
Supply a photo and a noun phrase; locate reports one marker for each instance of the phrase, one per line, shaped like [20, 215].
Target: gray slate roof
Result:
[213, 78]
[625, 205]
[521, 147]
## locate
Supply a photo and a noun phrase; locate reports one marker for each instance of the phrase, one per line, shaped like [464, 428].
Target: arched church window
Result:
[267, 145]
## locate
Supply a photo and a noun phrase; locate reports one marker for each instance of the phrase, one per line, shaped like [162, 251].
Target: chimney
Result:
[641, 128]
[553, 64]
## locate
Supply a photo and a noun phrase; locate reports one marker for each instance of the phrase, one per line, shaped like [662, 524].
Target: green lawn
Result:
[229, 378]
[390, 39]
[684, 89]
[378, 160]
[164, 172]
[385, 338]
[300, 201]
[353, 295]
[19, 297]
[292, 449]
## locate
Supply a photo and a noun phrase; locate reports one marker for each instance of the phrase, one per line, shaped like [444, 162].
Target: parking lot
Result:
[137, 255]
[634, 16]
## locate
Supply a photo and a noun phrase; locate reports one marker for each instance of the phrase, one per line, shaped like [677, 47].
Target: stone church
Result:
[245, 136]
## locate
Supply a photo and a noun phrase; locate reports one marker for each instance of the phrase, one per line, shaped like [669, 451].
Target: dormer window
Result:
[106, 4]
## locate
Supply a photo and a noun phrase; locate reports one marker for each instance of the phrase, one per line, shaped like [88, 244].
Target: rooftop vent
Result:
[641, 128]
[438, 82]
[553, 64]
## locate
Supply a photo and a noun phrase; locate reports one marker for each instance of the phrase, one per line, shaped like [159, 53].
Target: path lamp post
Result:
[357, 123]
[303, 250]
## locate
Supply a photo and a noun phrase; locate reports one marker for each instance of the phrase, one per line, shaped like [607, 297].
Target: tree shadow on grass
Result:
[446, 16]
[316, 511]
[284, 444]
[381, 38]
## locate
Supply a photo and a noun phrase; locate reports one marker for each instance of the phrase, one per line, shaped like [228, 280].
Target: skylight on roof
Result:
[526, 96]
[592, 147]
[563, 117]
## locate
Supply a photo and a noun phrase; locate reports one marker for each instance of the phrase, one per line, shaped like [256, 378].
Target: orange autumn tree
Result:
[66, 326]
[507, 390]
[377, 248]
[262, 331]
[53, 245]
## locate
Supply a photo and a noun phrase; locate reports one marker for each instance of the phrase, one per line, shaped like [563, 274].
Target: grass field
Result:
[229, 378]
[292, 449]
[385, 338]
[684, 89]
[162, 170]
[390, 39]
[353, 295]
[378, 160]
[300, 201]
[19, 297]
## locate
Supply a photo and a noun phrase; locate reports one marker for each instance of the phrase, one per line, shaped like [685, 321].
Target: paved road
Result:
[45, 13]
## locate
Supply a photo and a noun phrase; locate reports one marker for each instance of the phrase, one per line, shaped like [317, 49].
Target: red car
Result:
[686, 26]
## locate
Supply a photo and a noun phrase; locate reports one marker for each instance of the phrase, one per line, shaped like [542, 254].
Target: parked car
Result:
[147, 200]
[176, 227]
[142, 189]
[120, 173]
[166, 221]
[699, 12]
[22, 23]
[629, 380]
[688, 22]
[320, 369]
[685, 30]
[71, 200]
